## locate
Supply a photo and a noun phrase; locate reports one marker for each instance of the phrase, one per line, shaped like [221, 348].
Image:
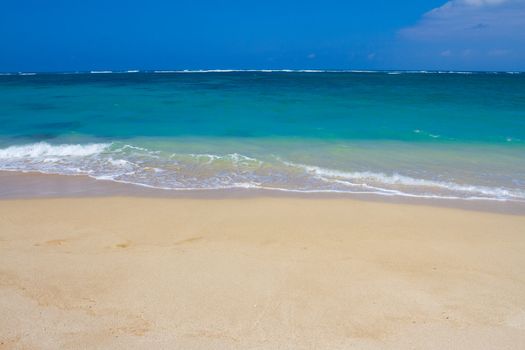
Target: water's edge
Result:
[32, 185]
[161, 170]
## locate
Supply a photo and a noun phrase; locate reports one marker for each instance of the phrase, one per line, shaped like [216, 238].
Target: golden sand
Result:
[258, 273]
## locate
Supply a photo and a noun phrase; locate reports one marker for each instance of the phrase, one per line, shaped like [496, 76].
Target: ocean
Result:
[454, 135]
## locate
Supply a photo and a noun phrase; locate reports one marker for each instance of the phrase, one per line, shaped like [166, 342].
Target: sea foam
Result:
[43, 149]
[141, 166]
[376, 180]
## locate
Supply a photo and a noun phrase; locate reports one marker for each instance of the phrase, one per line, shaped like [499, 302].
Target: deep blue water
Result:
[416, 134]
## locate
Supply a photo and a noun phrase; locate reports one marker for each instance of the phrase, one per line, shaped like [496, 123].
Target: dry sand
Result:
[258, 273]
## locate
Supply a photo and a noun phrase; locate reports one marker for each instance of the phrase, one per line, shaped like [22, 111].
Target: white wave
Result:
[312, 71]
[362, 71]
[258, 186]
[208, 71]
[397, 179]
[277, 71]
[198, 71]
[120, 162]
[259, 71]
[235, 159]
[432, 72]
[120, 149]
[43, 149]
[419, 131]
[186, 171]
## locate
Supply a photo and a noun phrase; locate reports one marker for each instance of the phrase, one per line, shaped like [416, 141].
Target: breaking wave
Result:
[135, 165]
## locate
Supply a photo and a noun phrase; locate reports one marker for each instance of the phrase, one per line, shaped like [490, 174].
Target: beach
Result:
[290, 209]
[132, 272]
[277, 175]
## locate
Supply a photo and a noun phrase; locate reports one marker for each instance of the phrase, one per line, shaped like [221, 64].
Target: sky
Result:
[75, 35]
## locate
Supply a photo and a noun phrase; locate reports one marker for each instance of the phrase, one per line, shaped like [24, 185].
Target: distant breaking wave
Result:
[135, 165]
[245, 70]
[328, 71]
[389, 72]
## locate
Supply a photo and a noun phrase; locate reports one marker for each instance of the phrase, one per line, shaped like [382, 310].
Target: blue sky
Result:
[62, 35]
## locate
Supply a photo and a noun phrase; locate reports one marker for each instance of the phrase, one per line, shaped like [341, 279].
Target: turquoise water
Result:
[390, 133]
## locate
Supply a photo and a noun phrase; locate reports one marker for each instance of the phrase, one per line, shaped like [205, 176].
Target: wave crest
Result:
[43, 149]
[188, 171]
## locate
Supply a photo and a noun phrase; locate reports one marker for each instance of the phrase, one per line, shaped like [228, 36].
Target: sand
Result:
[258, 273]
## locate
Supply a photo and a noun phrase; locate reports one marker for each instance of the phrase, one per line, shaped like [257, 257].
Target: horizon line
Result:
[179, 71]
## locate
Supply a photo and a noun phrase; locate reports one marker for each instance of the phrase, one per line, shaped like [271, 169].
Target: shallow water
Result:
[458, 136]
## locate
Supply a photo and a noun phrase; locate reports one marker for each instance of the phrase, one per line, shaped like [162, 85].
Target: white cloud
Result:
[478, 2]
[471, 19]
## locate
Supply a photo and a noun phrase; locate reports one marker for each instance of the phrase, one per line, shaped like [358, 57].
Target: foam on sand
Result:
[141, 166]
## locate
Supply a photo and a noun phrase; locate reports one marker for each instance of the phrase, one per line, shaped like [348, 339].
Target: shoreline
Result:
[265, 273]
[33, 185]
